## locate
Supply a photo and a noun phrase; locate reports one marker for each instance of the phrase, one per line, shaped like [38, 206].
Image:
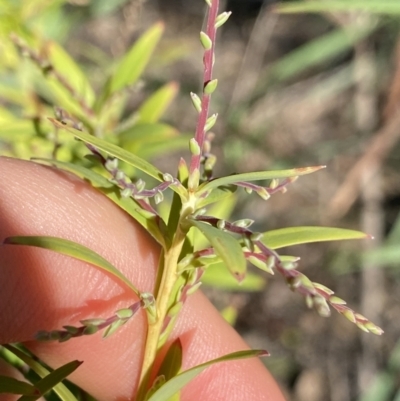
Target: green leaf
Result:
[155, 105]
[72, 249]
[156, 148]
[113, 193]
[216, 276]
[387, 255]
[256, 176]
[172, 363]
[319, 51]
[64, 64]
[175, 384]
[113, 150]
[51, 380]
[389, 7]
[9, 385]
[217, 195]
[133, 137]
[226, 247]
[60, 389]
[134, 62]
[283, 237]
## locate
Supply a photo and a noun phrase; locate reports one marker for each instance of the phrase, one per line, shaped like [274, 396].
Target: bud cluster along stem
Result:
[135, 190]
[92, 326]
[317, 296]
[204, 123]
[266, 192]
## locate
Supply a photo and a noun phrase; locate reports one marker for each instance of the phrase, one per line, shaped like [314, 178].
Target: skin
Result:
[42, 290]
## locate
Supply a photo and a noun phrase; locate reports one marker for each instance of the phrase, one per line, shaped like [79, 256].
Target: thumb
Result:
[43, 290]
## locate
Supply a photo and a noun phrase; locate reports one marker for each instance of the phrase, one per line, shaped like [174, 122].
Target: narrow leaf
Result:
[155, 105]
[172, 363]
[51, 380]
[256, 176]
[146, 132]
[174, 385]
[388, 7]
[113, 150]
[113, 193]
[280, 238]
[217, 195]
[134, 62]
[226, 247]
[216, 276]
[71, 72]
[72, 249]
[319, 50]
[60, 389]
[9, 385]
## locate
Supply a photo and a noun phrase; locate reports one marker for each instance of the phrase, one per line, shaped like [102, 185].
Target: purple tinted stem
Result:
[208, 68]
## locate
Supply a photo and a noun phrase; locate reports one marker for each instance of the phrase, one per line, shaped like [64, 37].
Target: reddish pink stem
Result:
[208, 68]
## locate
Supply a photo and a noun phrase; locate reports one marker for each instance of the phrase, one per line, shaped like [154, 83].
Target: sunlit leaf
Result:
[226, 247]
[156, 148]
[135, 60]
[389, 7]
[256, 176]
[9, 385]
[52, 379]
[64, 64]
[60, 389]
[156, 104]
[174, 385]
[72, 249]
[113, 193]
[216, 276]
[113, 150]
[141, 138]
[303, 235]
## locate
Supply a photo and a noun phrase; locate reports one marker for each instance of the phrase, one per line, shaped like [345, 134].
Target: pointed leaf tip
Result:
[310, 169]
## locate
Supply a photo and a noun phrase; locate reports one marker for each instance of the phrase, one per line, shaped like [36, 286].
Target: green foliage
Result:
[389, 7]
[178, 382]
[195, 237]
[72, 249]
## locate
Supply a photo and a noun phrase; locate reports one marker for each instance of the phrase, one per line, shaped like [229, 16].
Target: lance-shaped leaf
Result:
[113, 150]
[226, 247]
[172, 363]
[280, 238]
[388, 7]
[9, 385]
[318, 51]
[134, 62]
[69, 69]
[72, 249]
[215, 276]
[155, 105]
[60, 389]
[256, 176]
[216, 195]
[174, 385]
[113, 193]
[51, 380]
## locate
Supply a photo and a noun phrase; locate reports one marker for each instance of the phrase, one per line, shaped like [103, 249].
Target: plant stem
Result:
[164, 291]
[208, 69]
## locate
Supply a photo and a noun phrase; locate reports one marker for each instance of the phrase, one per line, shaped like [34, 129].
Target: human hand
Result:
[43, 290]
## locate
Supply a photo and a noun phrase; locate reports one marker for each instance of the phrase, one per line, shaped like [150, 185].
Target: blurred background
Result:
[295, 89]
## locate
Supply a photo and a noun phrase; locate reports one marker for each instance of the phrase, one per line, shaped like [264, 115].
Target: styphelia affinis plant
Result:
[194, 189]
